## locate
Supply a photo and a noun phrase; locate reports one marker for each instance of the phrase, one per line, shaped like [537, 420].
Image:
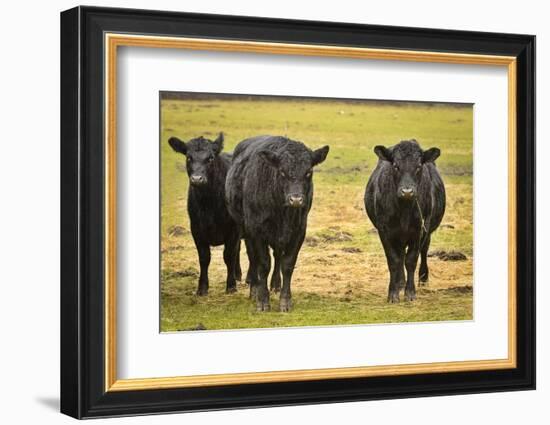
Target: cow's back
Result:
[234, 182]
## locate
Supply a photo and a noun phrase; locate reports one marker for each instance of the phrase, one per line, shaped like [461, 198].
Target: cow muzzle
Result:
[296, 201]
[197, 180]
[407, 193]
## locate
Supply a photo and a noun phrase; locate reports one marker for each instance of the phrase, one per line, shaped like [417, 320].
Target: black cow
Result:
[405, 200]
[269, 192]
[211, 224]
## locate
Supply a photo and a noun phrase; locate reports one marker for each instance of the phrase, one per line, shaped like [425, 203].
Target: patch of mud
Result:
[199, 327]
[333, 234]
[175, 231]
[466, 289]
[352, 250]
[188, 272]
[448, 255]
[172, 248]
[446, 226]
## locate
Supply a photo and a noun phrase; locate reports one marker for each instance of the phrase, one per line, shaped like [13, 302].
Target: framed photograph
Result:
[261, 212]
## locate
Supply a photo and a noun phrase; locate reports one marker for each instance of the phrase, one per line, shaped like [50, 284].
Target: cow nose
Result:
[197, 179]
[407, 193]
[296, 200]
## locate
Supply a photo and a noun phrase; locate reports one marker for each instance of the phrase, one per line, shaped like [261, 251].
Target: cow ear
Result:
[177, 145]
[218, 144]
[383, 153]
[320, 155]
[270, 157]
[431, 155]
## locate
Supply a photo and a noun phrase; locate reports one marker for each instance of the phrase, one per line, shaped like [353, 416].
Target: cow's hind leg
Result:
[423, 274]
[251, 274]
[411, 259]
[204, 260]
[238, 270]
[275, 284]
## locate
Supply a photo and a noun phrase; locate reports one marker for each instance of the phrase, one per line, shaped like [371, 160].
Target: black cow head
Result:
[295, 168]
[201, 154]
[407, 159]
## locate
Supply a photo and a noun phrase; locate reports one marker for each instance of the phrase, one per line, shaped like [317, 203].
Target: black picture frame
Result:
[83, 392]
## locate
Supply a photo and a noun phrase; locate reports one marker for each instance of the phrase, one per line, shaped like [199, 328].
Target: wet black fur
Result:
[264, 172]
[398, 220]
[211, 223]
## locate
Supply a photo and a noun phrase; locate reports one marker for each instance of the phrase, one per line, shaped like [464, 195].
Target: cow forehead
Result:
[199, 145]
[407, 150]
[296, 160]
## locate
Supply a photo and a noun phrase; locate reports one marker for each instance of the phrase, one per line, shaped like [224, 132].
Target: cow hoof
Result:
[285, 305]
[410, 296]
[263, 306]
[202, 292]
[423, 279]
[393, 297]
[230, 289]
[275, 289]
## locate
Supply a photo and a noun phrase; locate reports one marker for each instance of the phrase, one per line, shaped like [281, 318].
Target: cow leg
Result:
[204, 260]
[395, 258]
[230, 256]
[251, 275]
[238, 271]
[424, 272]
[288, 262]
[262, 261]
[275, 284]
[411, 260]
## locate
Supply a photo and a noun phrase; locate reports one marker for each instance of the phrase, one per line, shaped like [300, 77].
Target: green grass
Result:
[331, 285]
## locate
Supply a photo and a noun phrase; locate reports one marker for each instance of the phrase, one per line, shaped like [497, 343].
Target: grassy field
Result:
[341, 276]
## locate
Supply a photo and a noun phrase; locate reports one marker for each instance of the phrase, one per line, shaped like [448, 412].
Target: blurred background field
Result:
[341, 275]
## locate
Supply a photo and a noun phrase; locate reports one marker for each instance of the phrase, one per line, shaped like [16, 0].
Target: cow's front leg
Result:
[288, 263]
[394, 257]
[275, 284]
[204, 261]
[262, 261]
[411, 259]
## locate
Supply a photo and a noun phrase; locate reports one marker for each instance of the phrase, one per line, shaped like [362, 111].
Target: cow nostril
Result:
[407, 192]
[296, 199]
[197, 179]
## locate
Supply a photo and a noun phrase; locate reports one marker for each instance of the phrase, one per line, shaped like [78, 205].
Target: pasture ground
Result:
[341, 275]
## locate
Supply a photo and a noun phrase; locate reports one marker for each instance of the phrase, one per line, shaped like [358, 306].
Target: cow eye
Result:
[395, 167]
[283, 174]
[308, 174]
[189, 159]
